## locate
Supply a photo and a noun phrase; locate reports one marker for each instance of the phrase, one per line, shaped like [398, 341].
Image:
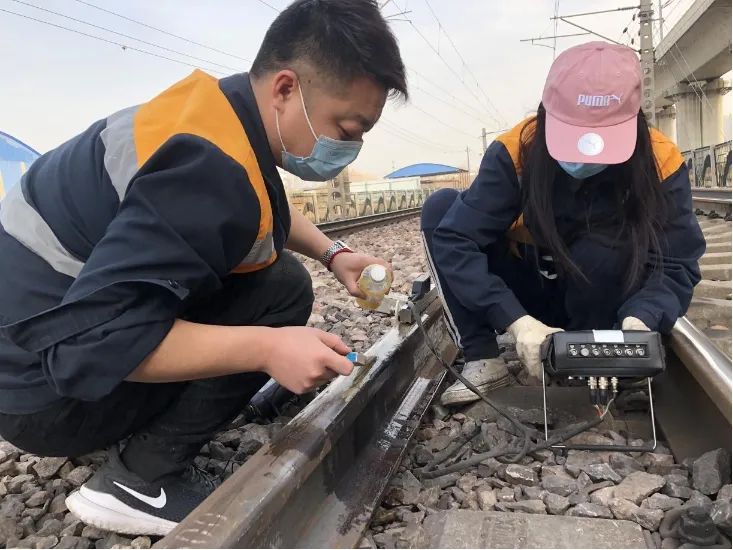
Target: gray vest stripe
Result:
[261, 251]
[22, 221]
[120, 156]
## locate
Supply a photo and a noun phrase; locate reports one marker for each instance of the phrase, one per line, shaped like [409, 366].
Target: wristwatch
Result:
[332, 251]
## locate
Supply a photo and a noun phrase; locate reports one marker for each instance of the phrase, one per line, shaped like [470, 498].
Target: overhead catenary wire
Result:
[102, 39]
[146, 25]
[450, 104]
[463, 61]
[415, 138]
[265, 3]
[106, 29]
[478, 114]
[451, 68]
[699, 91]
[394, 130]
[413, 142]
[439, 121]
[685, 130]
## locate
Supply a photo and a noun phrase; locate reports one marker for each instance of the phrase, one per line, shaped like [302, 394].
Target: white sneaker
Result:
[486, 374]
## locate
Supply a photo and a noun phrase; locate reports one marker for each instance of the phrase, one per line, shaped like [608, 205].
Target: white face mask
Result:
[328, 157]
[581, 170]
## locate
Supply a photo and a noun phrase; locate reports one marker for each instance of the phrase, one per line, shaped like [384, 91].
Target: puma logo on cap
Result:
[597, 100]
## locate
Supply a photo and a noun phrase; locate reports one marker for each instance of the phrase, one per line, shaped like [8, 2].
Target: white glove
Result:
[529, 334]
[632, 323]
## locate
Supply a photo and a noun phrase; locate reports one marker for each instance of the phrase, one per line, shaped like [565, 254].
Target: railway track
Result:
[342, 227]
[716, 200]
[710, 309]
[320, 481]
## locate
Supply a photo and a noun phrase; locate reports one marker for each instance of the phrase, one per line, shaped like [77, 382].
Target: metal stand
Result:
[622, 448]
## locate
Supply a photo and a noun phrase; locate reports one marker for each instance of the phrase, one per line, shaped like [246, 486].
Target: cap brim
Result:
[599, 145]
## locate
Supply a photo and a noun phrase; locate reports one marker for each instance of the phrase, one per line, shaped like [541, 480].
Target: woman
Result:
[580, 218]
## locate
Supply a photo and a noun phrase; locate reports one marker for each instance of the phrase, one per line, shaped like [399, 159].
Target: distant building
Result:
[434, 176]
[15, 158]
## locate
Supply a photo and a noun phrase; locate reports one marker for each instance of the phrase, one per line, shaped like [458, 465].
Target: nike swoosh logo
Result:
[155, 502]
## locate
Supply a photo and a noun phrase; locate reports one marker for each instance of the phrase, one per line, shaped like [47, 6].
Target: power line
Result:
[436, 119]
[414, 138]
[91, 5]
[269, 5]
[477, 114]
[626, 29]
[556, 12]
[123, 46]
[450, 67]
[704, 100]
[463, 61]
[83, 22]
[460, 78]
[473, 115]
[413, 135]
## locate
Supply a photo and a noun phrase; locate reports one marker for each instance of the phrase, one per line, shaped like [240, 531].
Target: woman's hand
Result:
[632, 323]
[347, 268]
[530, 334]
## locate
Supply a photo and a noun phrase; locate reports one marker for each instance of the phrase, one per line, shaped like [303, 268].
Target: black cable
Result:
[527, 433]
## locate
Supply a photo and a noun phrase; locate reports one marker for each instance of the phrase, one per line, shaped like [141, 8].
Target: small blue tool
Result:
[360, 358]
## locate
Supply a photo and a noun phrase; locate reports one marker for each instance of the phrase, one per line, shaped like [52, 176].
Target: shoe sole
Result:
[104, 511]
[465, 395]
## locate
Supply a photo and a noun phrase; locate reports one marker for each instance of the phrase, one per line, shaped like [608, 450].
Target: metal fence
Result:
[710, 166]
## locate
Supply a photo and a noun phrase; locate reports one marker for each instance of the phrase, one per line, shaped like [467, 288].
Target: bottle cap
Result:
[378, 273]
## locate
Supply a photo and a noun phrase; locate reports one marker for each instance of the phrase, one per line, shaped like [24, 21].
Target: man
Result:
[144, 287]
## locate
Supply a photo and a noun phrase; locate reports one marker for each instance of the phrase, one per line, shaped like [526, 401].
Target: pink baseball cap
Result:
[592, 98]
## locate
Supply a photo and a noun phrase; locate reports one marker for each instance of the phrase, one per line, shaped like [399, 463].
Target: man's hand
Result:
[303, 358]
[529, 334]
[347, 268]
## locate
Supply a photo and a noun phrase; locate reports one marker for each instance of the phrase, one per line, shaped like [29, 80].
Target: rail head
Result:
[317, 482]
[359, 222]
[710, 366]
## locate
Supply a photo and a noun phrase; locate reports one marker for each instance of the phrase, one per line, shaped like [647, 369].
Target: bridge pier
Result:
[699, 112]
[667, 122]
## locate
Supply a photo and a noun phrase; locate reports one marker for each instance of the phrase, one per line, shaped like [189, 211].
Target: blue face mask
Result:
[582, 170]
[327, 159]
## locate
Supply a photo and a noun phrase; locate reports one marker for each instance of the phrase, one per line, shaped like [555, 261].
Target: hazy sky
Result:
[56, 83]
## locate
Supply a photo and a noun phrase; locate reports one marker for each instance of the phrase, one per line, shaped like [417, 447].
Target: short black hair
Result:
[342, 39]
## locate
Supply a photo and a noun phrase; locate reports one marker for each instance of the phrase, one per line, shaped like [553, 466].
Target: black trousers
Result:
[571, 304]
[170, 422]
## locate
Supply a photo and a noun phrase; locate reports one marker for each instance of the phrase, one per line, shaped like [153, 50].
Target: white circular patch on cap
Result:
[591, 144]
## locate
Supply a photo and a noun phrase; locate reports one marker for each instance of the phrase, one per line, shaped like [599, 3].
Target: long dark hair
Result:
[640, 200]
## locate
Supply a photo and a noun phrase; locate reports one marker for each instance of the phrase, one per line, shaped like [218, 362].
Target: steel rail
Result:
[710, 366]
[318, 482]
[364, 222]
[706, 194]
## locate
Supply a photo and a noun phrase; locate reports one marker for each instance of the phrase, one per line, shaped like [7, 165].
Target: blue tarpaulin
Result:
[15, 158]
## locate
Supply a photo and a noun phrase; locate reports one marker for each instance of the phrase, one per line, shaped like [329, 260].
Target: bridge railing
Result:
[325, 205]
[710, 166]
